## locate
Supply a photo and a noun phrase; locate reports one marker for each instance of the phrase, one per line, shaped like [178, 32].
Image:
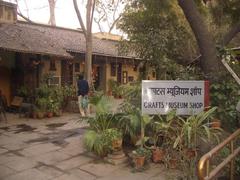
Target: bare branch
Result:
[79, 18]
[98, 22]
[114, 23]
[231, 34]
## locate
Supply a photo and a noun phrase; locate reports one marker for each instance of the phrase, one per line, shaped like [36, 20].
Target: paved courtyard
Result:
[33, 149]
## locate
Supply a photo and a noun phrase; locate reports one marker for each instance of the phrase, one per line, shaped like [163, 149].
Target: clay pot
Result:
[49, 114]
[40, 115]
[117, 144]
[157, 155]
[216, 123]
[34, 115]
[139, 161]
[173, 163]
[190, 153]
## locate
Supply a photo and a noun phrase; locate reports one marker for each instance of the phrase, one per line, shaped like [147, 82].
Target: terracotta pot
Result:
[139, 161]
[216, 123]
[34, 115]
[49, 114]
[40, 115]
[173, 163]
[190, 153]
[117, 144]
[157, 155]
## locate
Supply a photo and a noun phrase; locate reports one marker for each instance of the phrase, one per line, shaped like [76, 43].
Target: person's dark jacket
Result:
[83, 87]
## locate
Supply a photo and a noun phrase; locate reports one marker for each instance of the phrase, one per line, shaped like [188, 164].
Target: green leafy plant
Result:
[196, 127]
[225, 96]
[142, 152]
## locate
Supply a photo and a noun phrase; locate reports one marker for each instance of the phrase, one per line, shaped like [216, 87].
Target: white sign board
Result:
[187, 97]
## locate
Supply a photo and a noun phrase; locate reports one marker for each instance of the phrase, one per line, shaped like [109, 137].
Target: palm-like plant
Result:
[196, 127]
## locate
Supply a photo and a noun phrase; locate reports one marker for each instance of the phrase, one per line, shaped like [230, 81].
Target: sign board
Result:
[187, 97]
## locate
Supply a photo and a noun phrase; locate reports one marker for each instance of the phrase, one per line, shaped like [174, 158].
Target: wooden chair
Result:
[16, 104]
[2, 109]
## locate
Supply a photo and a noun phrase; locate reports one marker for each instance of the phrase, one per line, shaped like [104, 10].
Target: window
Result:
[153, 74]
[52, 65]
[55, 80]
[113, 69]
[77, 67]
[130, 78]
[125, 77]
[135, 67]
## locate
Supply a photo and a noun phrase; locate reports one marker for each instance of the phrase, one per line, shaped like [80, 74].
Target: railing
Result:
[204, 172]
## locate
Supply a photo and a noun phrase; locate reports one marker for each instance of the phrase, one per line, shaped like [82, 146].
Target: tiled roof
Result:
[49, 40]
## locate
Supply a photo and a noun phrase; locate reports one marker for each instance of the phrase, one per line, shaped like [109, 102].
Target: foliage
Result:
[225, 96]
[156, 32]
[23, 91]
[95, 142]
[162, 126]
[140, 152]
[196, 127]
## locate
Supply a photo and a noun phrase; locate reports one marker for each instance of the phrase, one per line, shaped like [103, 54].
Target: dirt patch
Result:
[24, 128]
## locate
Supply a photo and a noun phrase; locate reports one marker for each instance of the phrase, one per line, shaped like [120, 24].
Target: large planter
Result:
[157, 155]
[117, 144]
[139, 161]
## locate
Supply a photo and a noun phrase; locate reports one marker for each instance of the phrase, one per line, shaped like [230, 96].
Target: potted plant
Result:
[215, 123]
[39, 113]
[193, 129]
[116, 139]
[161, 127]
[140, 156]
[42, 106]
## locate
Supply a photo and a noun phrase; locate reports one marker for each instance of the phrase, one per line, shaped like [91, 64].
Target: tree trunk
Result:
[88, 59]
[209, 61]
[52, 20]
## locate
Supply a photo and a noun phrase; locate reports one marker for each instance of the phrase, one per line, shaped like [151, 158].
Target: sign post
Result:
[186, 97]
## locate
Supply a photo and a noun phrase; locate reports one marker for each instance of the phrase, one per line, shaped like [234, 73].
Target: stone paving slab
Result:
[51, 157]
[21, 164]
[50, 171]
[3, 150]
[82, 174]
[5, 158]
[39, 149]
[15, 146]
[5, 171]
[73, 162]
[99, 169]
[30, 174]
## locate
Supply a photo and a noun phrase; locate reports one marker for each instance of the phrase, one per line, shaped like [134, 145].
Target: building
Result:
[30, 51]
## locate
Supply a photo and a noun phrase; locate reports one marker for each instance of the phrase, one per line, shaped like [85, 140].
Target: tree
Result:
[159, 34]
[210, 63]
[87, 31]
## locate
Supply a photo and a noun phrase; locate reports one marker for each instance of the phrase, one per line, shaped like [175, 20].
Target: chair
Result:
[2, 109]
[16, 104]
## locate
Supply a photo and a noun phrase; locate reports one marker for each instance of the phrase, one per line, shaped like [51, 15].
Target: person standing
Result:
[83, 89]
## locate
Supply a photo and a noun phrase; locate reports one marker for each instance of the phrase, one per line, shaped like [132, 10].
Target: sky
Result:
[64, 13]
